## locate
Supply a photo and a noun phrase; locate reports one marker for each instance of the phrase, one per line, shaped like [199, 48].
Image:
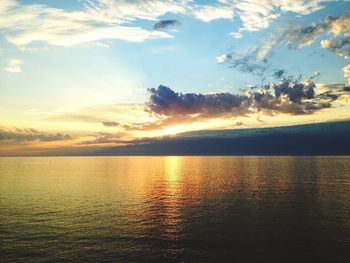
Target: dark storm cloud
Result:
[110, 123]
[23, 135]
[163, 24]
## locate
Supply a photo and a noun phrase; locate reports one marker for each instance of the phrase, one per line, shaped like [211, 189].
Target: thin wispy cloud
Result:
[299, 36]
[336, 38]
[103, 45]
[259, 14]
[250, 63]
[14, 66]
[29, 135]
[106, 138]
[104, 19]
[24, 24]
[110, 123]
[338, 28]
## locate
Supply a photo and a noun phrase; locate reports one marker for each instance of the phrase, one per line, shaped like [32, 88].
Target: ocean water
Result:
[175, 209]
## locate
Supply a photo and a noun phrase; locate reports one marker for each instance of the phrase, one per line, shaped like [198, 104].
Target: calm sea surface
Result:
[175, 209]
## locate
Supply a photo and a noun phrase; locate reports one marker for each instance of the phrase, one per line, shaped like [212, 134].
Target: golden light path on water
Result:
[175, 208]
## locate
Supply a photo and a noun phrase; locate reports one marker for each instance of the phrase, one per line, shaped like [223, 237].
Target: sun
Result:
[172, 130]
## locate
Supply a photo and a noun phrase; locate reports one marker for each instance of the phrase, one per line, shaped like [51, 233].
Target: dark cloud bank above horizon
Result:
[332, 138]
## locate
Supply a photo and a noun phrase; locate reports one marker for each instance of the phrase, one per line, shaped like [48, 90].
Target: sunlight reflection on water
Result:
[174, 209]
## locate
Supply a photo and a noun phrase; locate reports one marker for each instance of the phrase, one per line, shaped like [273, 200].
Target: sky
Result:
[87, 74]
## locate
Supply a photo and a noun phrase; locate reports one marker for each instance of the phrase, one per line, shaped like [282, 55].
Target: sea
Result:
[175, 209]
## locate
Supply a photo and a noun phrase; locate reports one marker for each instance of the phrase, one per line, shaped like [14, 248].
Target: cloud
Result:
[165, 101]
[295, 91]
[223, 58]
[163, 24]
[245, 62]
[110, 123]
[113, 139]
[22, 24]
[258, 14]
[315, 75]
[14, 66]
[210, 13]
[290, 97]
[29, 134]
[279, 73]
[127, 11]
[254, 14]
[287, 96]
[298, 36]
[340, 47]
[238, 34]
[346, 71]
[103, 45]
[264, 50]
[106, 138]
[338, 26]
[329, 138]
[160, 123]
[74, 117]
